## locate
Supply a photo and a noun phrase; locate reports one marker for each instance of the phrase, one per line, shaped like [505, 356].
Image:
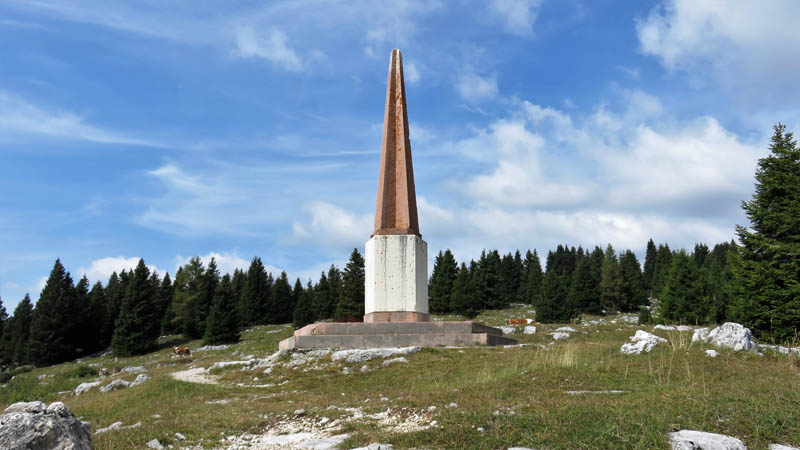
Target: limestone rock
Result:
[114, 385]
[683, 328]
[363, 355]
[35, 426]
[530, 329]
[781, 447]
[85, 387]
[508, 330]
[664, 327]
[700, 440]
[223, 364]
[642, 341]
[566, 329]
[734, 336]
[559, 335]
[712, 353]
[375, 446]
[700, 334]
[155, 444]
[134, 369]
[399, 359]
[141, 378]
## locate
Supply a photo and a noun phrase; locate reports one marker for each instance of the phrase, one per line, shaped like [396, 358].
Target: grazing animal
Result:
[181, 351]
[519, 321]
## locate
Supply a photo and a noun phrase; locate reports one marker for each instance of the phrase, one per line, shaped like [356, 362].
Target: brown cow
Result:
[518, 321]
[181, 351]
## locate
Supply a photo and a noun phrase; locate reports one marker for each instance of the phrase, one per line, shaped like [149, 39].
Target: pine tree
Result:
[661, 270]
[351, 291]
[334, 285]
[649, 266]
[487, 281]
[717, 277]
[634, 293]
[464, 299]
[222, 325]
[297, 290]
[683, 300]
[766, 267]
[16, 332]
[209, 281]
[54, 326]
[440, 285]
[533, 278]
[611, 282]
[98, 310]
[282, 306]
[137, 326]
[585, 287]
[169, 322]
[555, 303]
[320, 298]
[187, 291]
[304, 310]
[256, 294]
[114, 291]
[165, 303]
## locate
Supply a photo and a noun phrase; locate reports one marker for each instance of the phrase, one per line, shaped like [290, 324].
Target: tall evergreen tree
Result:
[464, 299]
[138, 324]
[187, 291]
[700, 253]
[3, 317]
[611, 282]
[634, 293]
[585, 287]
[334, 286]
[165, 302]
[54, 327]
[440, 286]
[256, 295]
[649, 266]
[351, 291]
[114, 291]
[237, 283]
[533, 277]
[766, 267]
[682, 300]
[16, 333]
[201, 307]
[487, 281]
[282, 304]
[717, 277]
[555, 303]
[661, 270]
[304, 310]
[222, 325]
[98, 310]
[297, 290]
[320, 298]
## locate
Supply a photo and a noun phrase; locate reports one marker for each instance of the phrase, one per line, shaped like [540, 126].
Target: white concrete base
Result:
[396, 271]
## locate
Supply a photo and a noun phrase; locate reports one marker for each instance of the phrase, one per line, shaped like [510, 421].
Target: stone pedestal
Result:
[396, 272]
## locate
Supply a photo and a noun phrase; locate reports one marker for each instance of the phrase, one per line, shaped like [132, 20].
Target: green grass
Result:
[516, 394]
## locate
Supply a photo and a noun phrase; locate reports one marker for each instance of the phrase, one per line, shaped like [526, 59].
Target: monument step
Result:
[388, 328]
[392, 340]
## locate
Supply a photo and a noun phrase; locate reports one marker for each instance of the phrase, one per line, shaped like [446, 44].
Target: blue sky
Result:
[166, 129]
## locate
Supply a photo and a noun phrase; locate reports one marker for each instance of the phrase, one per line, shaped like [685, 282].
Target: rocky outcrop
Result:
[363, 355]
[700, 440]
[36, 426]
[700, 334]
[85, 387]
[641, 342]
[733, 336]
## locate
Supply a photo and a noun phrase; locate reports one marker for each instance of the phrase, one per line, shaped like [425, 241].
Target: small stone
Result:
[712, 353]
[434, 423]
[364, 368]
[299, 412]
[155, 444]
[85, 387]
[700, 334]
[559, 335]
[781, 447]
[566, 329]
[394, 360]
[700, 440]
[384, 399]
[431, 408]
[180, 436]
[508, 330]
[453, 405]
[530, 329]
[480, 430]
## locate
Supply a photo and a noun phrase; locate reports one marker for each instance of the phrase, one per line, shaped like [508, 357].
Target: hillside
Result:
[577, 392]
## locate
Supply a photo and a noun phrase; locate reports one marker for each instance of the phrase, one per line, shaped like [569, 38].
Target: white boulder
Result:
[529, 329]
[114, 385]
[566, 329]
[399, 359]
[733, 336]
[663, 327]
[559, 335]
[36, 426]
[781, 447]
[141, 378]
[85, 387]
[508, 330]
[641, 342]
[700, 440]
[712, 353]
[700, 334]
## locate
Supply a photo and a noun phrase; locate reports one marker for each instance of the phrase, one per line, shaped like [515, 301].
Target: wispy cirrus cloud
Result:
[23, 118]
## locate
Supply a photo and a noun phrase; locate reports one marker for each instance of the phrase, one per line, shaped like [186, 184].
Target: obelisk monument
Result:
[396, 266]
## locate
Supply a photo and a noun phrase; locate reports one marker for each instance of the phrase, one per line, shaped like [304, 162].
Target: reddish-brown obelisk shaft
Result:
[396, 209]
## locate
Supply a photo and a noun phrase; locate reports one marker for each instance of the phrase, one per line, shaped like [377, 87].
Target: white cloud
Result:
[410, 73]
[333, 226]
[21, 117]
[517, 16]
[271, 47]
[744, 44]
[474, 88]
[101, 269]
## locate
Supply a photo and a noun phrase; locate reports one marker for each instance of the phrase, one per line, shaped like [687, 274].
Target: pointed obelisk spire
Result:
[396, 210]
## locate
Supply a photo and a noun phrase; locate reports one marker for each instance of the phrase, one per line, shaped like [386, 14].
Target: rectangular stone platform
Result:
[381, 334]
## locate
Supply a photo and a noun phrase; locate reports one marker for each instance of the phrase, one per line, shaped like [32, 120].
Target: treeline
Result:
[691, 287]
[137, 306]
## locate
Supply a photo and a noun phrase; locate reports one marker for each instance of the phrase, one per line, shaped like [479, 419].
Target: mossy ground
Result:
[516, 395]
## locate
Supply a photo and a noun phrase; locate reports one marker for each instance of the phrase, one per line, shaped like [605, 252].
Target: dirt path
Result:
[198, 375]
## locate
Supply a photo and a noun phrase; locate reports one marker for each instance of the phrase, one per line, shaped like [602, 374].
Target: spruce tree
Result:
[611, 282]
[169, 322]
[3, 317]
[114, 291]
[440, 287]
[98, 310]
[209, 281]
[137, 326]
[164, 302]
[661, 270]
[464, 299]
[351, 291]
[187, 292]
[766, 267]
[222, 325]
[282, 304]
[649, 266]
[634, 293]
[320, 297]
[54, 330]
[334, 285]
[555, 304]
[304, 310]
[16, 332]
[584, 290]
[682, 300]
[297, 290]
[256, 294]
[487, 281]
[533, 278]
